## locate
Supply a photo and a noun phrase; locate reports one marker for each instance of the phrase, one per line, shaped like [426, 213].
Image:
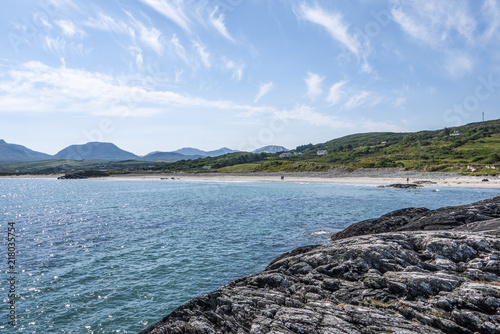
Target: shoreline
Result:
[375, 177]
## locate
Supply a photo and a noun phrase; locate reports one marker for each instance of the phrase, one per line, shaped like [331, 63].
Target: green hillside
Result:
[449, 149]
[472, 148]
[472, 144]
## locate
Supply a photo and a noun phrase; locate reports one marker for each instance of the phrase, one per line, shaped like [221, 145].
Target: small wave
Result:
[320, 232]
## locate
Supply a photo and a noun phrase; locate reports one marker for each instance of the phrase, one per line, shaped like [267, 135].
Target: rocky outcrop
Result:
[491, 226]
[402, 186]
[397, 282]
[83, 175]
[422, 219]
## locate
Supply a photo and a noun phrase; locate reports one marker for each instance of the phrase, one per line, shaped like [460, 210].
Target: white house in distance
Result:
[286, 155]
[322, 152]
[456, 133]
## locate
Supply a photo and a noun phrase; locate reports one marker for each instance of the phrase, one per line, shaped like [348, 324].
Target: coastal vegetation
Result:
[471, 149]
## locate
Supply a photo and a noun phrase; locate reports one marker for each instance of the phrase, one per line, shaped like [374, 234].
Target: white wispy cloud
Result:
[69, 29]
[139, 59]
[458, 63]
[43, 20]
[151, 37]
[78, 91]
[358, 99]
[413, 28]
[133, 29]
[107, 23]
[61, 47]
[435, 22]
[333, 23]
[491, 11]
[179, 48]
[400, 102]
[335, 93]
[263, 90]
[203, 53]
[237, 69]
[174, 10]
[366, 68]
[444, 26]
[314, 82]
[217, 21]
[55, 45]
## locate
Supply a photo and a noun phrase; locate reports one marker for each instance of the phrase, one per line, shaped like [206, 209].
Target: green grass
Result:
[243, 168]
[291, 166]
[479, 146]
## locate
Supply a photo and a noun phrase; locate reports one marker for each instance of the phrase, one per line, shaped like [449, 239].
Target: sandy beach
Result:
[375, 176]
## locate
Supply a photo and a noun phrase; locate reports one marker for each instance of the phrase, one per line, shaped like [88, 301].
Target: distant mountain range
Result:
[168, 156]
[12, 153]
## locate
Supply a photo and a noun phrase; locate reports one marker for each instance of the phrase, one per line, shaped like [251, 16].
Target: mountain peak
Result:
[10, 153]
[271, 149]
[94, 151]
[99, 143]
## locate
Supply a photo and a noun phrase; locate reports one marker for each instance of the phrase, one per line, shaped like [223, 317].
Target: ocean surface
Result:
[116, 256]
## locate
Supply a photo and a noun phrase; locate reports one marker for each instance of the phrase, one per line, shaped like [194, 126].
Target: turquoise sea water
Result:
[115, 256]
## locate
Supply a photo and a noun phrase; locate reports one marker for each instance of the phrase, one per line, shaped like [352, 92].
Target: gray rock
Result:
[402, 185]
[419, 219]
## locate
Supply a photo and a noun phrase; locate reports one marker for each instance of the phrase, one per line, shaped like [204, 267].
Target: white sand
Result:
[457, 181]
[378, 177]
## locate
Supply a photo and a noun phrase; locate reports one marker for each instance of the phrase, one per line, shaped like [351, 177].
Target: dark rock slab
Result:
[404, 282]
[83, 175]
[402, 186]
[419, 219]
[490, 226]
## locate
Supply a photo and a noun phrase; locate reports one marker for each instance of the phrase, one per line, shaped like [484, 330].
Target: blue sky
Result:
[153, 75]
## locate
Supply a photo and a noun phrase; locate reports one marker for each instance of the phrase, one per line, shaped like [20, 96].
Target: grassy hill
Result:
[449, 149]
[472, 148]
